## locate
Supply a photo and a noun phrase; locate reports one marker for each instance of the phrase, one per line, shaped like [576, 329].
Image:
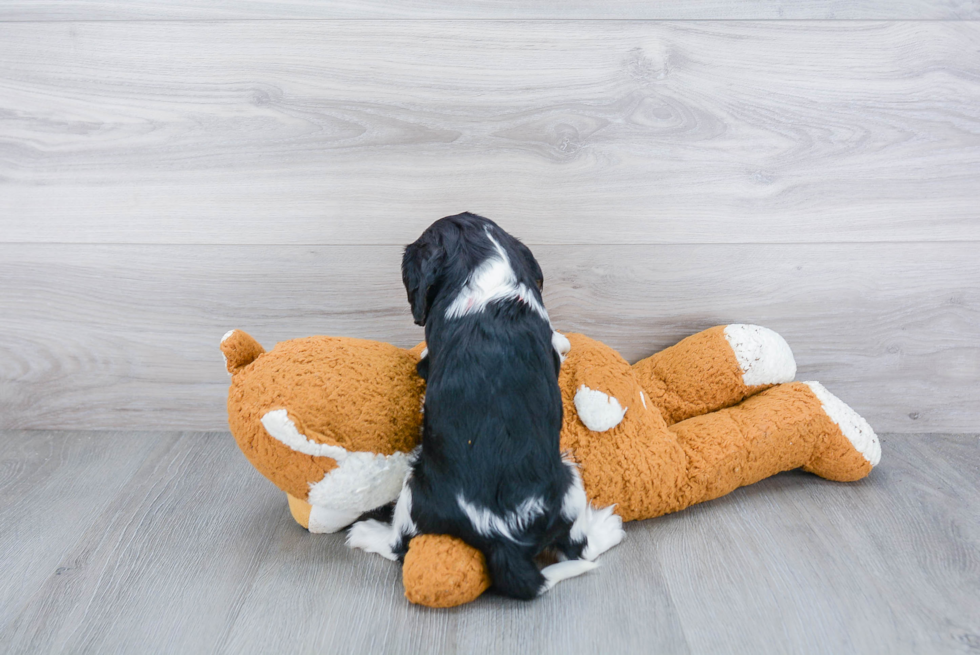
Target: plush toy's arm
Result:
[714, 369]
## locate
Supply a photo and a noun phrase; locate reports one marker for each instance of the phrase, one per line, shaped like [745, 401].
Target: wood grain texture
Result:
[48, 10]
[39, 473]
[127, 336]
[197, 553]
[182, 539]
[848, 583]
[299, 132]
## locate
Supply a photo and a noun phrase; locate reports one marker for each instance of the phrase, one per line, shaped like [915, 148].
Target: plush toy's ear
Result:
[421, 272]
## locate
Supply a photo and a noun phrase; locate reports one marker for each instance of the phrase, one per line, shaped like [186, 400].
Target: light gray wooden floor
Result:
[170, 542]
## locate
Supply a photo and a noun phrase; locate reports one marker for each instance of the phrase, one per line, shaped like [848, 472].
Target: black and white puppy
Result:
[490, 470]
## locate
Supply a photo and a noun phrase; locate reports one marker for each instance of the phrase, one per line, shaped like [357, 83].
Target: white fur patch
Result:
[491, 281]
[555, 573]
[763, 355]
[599, 529]
[278, 424]
[489, 524]
[362, 480]
[598, 411]
[852, 424]
[227, 335]
[402, 520]
[561, 344]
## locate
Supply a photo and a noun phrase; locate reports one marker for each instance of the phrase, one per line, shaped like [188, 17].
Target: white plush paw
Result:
[763, 355]
[373, 537]
[604, 531]
[598, 411]
[852, 424]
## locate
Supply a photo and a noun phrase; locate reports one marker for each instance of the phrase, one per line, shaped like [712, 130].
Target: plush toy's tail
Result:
[239, 350]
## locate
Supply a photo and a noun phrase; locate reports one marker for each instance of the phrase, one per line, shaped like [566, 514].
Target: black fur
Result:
[493, 409]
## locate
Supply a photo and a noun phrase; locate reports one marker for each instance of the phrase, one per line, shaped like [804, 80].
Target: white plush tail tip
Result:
[763, 355]
[598, 411]
[564, 570]
[852, 424]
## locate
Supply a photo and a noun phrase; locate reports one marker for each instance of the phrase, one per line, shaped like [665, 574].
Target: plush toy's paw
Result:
[853, 448]
[763, 355]
[443, 571]
[300, 509]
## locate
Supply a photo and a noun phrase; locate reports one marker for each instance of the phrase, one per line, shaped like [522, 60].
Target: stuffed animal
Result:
[333, 423]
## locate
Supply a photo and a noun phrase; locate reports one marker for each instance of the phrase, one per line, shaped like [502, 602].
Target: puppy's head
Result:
[447, 253]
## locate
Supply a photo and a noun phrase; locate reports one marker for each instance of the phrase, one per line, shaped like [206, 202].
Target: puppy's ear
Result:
[421, 270]
[533, 269]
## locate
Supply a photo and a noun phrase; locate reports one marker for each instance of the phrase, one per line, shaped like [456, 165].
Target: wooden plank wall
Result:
[169, 171]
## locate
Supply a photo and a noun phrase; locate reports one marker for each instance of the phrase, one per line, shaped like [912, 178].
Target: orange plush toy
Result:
[333, 423]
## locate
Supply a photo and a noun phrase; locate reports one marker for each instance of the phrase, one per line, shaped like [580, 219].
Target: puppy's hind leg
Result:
[591, 532]
[388, 540]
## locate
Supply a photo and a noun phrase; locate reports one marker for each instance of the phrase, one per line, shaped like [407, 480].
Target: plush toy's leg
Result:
[714, 369]
[300, 509]
[787, 427]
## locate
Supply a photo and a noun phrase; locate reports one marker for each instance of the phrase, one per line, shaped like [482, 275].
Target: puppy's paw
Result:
[373, 537]
[604, 531]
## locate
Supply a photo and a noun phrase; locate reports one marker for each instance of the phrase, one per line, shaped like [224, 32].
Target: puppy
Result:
[490, 470]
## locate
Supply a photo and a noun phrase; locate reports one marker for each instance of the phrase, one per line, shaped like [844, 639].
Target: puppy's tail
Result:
[514, 573]
[240, 350]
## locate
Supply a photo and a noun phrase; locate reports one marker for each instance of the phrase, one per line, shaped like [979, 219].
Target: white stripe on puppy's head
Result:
[493, 280]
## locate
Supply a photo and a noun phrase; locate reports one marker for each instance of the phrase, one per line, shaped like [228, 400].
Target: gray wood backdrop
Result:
[169, 171]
